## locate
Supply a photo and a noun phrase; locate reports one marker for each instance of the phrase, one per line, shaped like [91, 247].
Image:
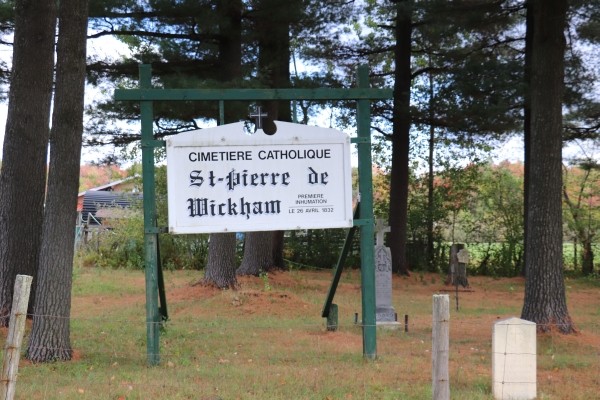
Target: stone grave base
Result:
[390, 325]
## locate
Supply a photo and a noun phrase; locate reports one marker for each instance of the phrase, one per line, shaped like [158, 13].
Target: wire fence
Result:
[226, 358]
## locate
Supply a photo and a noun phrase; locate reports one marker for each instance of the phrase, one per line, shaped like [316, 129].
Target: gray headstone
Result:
[514, 362]
[384, 312]
[463, 256]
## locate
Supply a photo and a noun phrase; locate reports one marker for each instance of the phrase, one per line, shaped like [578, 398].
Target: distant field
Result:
[272, 344]
[477, 252]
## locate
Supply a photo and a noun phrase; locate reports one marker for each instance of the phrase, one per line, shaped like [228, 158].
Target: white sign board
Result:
[224, 180]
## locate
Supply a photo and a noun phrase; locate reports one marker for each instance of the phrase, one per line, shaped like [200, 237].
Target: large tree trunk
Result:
[527, 123]
[50, 335]
[257, 254]
[430, 187]
[277, 250]
[587, 257]
[545, 302]
[23, 177]
[401, 140]
[457, 271]
[220, 266]
[273, 30]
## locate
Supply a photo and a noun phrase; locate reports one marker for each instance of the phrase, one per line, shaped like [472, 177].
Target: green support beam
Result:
[365, 188]
[162, 295]
[339, 267]
[150, 239]
[252, 94]
[154, 280]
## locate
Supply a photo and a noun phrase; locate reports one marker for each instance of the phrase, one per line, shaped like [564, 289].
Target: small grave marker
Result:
[514, 363]
[463, 256]
[457, 270]
[384, 311]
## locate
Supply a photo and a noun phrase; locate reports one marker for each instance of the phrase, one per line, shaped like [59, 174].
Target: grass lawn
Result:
[268, 341]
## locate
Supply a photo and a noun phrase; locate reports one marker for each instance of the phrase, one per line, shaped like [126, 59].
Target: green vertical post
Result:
[365, 188]
[150, 234]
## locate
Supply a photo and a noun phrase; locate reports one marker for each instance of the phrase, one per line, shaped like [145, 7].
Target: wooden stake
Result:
[16, 328]
[440, 347]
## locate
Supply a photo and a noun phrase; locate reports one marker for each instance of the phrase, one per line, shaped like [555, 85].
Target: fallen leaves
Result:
[236, 301]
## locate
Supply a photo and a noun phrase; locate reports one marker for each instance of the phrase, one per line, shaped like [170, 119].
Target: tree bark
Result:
[527, 123]
[430, 187]
[273, 30]
[277, 248]
[257, 254]
[587, 258]
[220, 266]
[545, 302]
[457, 273]
[50, 335]
[401, 140]
[23, 177]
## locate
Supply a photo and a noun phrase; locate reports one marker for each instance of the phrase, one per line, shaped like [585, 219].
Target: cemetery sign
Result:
[224, 180]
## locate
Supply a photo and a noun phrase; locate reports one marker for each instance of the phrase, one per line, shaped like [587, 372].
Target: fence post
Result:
[16, 328]
[440, 347]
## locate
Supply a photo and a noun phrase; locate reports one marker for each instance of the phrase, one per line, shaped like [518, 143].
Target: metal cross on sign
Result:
[258, 115]
[380, 229]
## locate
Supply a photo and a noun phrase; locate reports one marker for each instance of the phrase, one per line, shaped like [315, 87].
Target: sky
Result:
[101, 46]
[511, 150]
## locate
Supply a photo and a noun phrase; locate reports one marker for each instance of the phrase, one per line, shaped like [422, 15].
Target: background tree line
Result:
[465, 74]
[480, 204]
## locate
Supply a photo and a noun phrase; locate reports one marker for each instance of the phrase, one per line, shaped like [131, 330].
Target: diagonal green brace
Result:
[162, 309]
[339, 267]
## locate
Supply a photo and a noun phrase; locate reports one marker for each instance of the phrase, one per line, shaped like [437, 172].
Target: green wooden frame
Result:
[155, 291]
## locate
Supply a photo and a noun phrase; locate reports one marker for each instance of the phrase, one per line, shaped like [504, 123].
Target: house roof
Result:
[94, 200]
[109, 185]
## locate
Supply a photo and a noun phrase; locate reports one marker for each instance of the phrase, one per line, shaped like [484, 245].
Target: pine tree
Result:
[272, 21]
[49, 338]
[23, 177]
[457, 45]
[221, 263]
[545, 302]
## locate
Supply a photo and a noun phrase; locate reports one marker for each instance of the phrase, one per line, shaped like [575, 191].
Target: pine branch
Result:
[426, 70]
[388, 136]
[190, 36]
